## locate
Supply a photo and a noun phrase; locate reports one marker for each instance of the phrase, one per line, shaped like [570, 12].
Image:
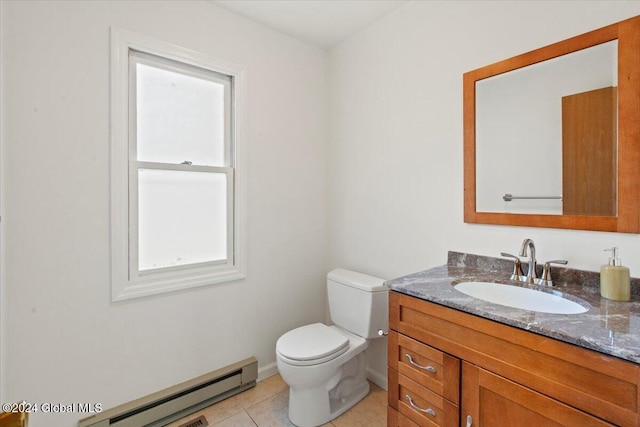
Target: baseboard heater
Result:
[176, 402]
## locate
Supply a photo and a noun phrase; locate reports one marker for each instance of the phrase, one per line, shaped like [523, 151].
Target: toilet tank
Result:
[358, 303]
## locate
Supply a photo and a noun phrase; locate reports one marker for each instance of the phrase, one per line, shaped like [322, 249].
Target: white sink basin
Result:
[524, 298]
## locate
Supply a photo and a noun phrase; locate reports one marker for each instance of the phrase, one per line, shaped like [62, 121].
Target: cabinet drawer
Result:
[419, 404]
[437, 371]
[395, 419]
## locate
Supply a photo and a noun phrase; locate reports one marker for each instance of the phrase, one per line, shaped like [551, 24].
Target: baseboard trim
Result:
[267, 371]
[375, 377]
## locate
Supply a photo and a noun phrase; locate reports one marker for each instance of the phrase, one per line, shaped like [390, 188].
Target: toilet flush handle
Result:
[382, 333]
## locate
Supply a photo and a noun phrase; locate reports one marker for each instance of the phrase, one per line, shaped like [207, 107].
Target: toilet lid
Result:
[311, 342]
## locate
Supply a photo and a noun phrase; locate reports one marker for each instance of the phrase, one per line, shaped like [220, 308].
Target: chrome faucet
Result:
[545, 280]
[528, 245]
[517, 273]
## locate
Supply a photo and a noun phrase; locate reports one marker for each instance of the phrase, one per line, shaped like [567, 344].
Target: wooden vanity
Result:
[451, 368]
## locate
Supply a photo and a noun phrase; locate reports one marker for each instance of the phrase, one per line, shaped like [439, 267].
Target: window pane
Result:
[182, 218]
[179, 118]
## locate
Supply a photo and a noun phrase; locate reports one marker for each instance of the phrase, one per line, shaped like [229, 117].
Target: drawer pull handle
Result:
[426, 368]
[414, 406]
[469, 420]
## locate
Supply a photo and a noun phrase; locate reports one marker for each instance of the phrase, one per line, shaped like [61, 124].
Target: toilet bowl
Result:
[325, 366]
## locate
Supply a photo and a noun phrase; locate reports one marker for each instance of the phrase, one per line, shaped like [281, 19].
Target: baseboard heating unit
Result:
[176, 402]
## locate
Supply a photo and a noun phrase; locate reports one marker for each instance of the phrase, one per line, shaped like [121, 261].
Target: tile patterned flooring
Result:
[266, 405]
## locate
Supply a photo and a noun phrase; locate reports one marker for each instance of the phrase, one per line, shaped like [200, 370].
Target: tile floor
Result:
[266, 405]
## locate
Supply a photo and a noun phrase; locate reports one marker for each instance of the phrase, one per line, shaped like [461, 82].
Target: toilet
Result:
[325, 366]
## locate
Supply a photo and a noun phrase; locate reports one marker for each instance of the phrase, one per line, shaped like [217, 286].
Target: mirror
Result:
[564, 94]
[551, 136]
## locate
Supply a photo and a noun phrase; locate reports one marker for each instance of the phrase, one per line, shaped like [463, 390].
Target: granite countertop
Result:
[609, 327]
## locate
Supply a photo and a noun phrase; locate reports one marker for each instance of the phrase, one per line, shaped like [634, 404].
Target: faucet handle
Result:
[545, 280]
[517, 267]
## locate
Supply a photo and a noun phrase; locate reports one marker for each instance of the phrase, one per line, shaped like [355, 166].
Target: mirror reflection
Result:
[546, 136]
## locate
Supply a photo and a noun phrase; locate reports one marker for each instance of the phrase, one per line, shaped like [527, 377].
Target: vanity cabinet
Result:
[450, 368]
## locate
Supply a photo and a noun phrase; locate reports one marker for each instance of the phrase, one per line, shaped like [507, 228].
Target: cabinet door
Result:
[491, 400]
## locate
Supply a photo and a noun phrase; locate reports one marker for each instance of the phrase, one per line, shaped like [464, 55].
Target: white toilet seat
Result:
[311, 345]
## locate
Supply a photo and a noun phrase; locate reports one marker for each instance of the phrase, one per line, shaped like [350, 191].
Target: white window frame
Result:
[126, 280]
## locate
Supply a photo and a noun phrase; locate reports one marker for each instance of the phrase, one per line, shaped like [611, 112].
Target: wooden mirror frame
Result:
[627, 33]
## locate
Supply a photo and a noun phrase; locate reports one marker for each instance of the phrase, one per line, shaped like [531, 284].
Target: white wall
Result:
[396, 136]
[63, 340]
[395, 106]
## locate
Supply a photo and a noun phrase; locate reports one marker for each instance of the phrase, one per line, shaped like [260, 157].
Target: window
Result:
[176, 194]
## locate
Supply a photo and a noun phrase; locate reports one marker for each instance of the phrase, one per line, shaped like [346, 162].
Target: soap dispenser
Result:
[614, 279]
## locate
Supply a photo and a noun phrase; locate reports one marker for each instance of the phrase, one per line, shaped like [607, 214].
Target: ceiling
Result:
[320, 22]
